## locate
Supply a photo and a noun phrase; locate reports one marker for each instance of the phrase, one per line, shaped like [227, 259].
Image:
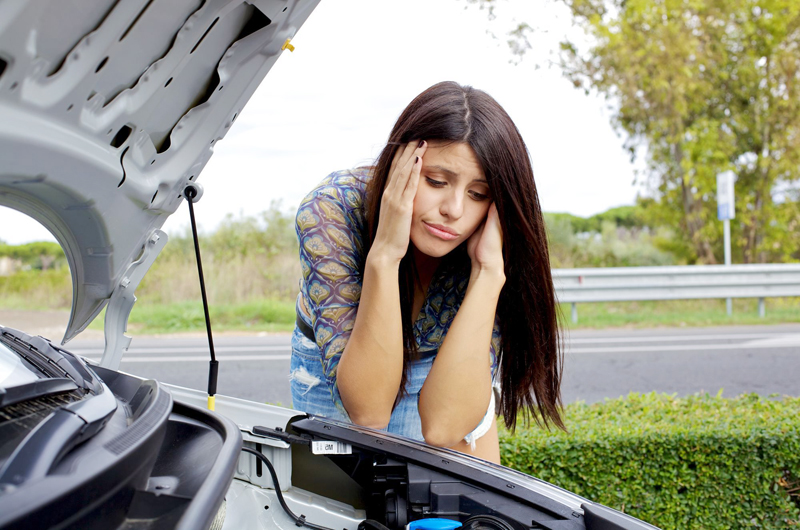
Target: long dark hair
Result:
[530, 357]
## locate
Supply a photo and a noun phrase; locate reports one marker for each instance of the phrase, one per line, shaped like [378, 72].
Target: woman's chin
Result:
[435, 249]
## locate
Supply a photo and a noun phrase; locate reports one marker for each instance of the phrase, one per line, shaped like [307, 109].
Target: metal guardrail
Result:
[623, 284]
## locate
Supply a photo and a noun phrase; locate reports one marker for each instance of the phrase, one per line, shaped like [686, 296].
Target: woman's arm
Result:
[458, 388]
[457, 391]
[371, 367]
[487, 446]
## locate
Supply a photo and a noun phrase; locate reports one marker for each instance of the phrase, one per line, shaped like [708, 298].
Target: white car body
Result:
[108, 110]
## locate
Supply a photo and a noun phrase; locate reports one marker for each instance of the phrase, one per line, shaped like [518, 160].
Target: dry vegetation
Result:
[252, 272]
[247, 258]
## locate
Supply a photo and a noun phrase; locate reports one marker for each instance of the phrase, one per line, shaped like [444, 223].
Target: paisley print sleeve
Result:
[329, 232]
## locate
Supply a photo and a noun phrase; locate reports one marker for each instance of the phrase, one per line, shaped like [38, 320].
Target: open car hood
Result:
[108, 109]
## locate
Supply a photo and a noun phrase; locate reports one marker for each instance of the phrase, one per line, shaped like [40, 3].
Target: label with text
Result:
[331, 448]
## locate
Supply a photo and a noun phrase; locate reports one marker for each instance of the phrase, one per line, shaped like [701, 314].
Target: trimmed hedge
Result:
[701, 462]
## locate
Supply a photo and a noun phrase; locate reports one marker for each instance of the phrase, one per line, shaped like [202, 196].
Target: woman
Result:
[425, 278]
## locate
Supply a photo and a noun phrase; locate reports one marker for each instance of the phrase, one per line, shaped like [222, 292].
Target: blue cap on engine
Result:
[433, 523]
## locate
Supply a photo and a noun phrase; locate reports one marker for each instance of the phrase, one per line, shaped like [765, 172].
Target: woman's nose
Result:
[452, 206]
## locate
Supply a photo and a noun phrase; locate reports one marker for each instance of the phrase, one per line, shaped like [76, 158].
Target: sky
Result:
[331, 103]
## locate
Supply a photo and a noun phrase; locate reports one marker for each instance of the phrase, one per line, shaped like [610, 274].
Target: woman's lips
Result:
[442, 232]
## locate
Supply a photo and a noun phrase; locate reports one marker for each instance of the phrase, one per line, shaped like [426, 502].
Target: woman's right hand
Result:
[397, 203]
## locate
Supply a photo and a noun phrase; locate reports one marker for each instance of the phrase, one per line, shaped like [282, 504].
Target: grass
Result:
[180, 317]
[278, 316]
[681, 313]
[250, 301]
[36, 290]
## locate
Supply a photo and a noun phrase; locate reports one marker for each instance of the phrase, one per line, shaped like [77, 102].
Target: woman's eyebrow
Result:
[450, 173]
[441, 169]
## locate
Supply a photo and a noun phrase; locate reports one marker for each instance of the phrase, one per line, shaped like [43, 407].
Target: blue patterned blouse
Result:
[331, 225]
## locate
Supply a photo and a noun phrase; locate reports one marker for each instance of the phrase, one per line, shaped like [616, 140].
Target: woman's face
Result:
[452, 198]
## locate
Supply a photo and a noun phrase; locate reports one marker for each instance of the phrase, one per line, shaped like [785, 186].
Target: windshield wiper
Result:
[66, 426]
[53, 438]
[49, 359]
[35, 390]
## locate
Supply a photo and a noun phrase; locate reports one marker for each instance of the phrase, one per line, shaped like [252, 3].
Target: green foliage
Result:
[681, 313]
[35, 289]
[622, 216]
[246, 258]
[700, 462]
[186, 316]
[629, 217]
[618, 237]
[706, 86]
[40, 255]
[264, 235]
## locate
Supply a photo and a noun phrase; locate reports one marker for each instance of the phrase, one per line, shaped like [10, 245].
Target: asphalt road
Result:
[598, 364]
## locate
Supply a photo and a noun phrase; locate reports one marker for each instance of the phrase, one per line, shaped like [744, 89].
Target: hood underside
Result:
[108, 109]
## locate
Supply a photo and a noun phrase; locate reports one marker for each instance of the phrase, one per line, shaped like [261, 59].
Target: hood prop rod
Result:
[193, 192]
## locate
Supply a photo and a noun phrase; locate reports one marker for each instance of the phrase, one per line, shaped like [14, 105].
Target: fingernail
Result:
[421, 143]
[416, 161]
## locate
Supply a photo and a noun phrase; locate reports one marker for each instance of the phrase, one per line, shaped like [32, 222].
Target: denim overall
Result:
[311, 394]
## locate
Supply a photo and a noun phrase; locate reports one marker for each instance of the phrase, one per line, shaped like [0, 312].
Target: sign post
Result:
[725, 212]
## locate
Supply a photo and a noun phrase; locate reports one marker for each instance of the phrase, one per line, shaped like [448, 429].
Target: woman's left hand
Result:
[485, 245]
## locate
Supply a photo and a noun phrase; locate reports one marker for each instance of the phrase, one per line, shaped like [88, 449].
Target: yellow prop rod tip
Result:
[288, 45]
[210, 402]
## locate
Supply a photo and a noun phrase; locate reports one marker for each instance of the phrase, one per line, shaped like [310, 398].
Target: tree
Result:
[703, 86]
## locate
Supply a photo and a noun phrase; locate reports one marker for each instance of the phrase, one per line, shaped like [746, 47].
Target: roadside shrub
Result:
[607, 245]
[247, 257]
[37, 289]
[701, 462]
[40, 255]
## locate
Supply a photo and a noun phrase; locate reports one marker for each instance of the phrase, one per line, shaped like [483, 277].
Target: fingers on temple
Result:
[403, 164]
[395, 162]
[398, 173]
[413, 177]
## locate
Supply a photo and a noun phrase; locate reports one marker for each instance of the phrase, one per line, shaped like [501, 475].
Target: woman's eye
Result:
[478, 196]
[435, 183]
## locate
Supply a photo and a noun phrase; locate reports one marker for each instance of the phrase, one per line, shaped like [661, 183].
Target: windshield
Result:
[13, 372]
